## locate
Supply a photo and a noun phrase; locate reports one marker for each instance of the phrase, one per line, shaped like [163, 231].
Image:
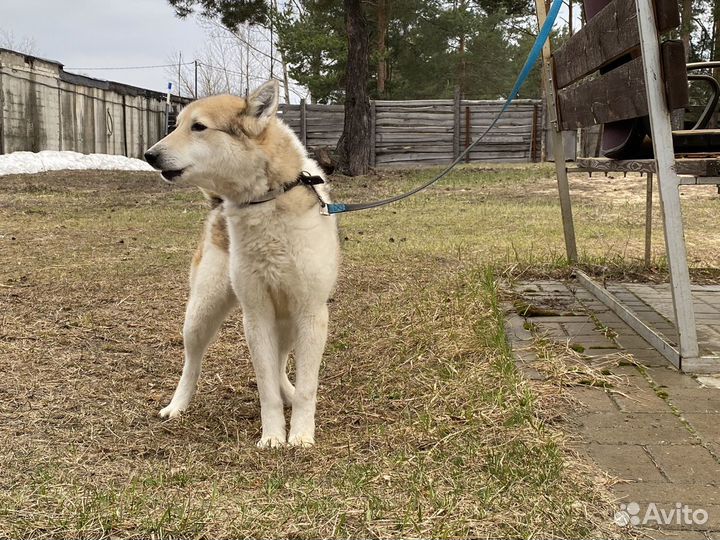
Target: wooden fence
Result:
[429, 131]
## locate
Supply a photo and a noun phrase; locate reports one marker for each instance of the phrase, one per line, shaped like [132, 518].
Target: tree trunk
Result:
[382, 22]
[686, 26]
[461, 70]
[462, 65]
[354, 146]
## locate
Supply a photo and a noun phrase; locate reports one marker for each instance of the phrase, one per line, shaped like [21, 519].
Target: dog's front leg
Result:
[261, 336]
[312, 334]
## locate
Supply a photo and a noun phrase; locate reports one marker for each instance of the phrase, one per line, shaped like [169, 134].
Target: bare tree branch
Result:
[21, 44]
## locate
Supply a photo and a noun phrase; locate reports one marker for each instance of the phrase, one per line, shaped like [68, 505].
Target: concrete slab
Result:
[634, 428]
[685, 463]
[695, 400]
[706, 425]
[668, 376]
[595, 399]
[634, 399]
[628, 462]
[658, 311]
[709, 381]
[648, 357]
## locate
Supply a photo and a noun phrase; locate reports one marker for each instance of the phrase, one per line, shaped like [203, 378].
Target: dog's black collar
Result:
[303, 179]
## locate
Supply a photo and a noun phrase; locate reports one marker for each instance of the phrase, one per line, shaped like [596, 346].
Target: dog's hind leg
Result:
[211, 299]
[286, 340]
[312, 334]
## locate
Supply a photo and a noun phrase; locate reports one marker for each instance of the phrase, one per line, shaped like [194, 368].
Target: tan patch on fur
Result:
[197, 257]
[281, 303]
[217, 111]
[216, 231]
[219, 233]
[283, 165]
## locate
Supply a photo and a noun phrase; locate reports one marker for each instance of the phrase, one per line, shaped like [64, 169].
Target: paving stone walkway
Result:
[652, 303]
[659, 433]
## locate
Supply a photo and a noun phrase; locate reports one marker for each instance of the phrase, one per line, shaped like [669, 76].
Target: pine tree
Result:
[418, 48]
[230, 14]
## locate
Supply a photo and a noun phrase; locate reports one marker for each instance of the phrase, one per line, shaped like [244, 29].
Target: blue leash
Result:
[339, 208]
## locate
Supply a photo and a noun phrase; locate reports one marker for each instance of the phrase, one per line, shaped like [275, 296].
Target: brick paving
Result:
[653, 305]
[659, 434]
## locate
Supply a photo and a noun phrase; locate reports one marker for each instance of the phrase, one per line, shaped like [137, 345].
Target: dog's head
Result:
[220, 144]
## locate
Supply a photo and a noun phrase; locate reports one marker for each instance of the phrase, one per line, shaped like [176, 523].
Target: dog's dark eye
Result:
[197, 126]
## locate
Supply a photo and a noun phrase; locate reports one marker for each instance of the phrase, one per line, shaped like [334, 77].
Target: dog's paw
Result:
[302, 441]
[171, 411]
[271, 442]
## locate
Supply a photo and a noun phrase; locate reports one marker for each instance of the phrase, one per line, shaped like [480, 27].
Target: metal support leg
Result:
[648, 220]
[679, 272]
[668, 182]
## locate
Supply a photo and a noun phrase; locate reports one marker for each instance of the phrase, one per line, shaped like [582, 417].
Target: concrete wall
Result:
[46, 108]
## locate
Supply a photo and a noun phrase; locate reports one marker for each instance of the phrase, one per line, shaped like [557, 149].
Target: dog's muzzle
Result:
[169, 175]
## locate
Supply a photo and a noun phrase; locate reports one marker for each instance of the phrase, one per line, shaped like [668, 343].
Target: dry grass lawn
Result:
[424, 426]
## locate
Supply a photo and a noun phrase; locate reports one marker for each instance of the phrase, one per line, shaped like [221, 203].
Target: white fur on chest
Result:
[295, 255]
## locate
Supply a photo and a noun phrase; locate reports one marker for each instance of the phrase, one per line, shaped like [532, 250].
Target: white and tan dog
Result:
[278, 258]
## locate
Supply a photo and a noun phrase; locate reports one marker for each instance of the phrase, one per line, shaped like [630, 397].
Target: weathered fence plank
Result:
[373, 134]
[303, 122]
[456, 122]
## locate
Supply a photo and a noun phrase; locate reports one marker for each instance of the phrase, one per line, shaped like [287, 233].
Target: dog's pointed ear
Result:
[263, 102]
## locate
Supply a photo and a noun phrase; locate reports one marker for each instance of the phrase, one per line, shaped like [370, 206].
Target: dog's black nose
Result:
[151, 158]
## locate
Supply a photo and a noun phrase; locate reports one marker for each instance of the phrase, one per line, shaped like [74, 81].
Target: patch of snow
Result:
[51, 160]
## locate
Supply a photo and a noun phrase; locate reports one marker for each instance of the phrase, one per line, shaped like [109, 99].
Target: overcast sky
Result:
[105, 33]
